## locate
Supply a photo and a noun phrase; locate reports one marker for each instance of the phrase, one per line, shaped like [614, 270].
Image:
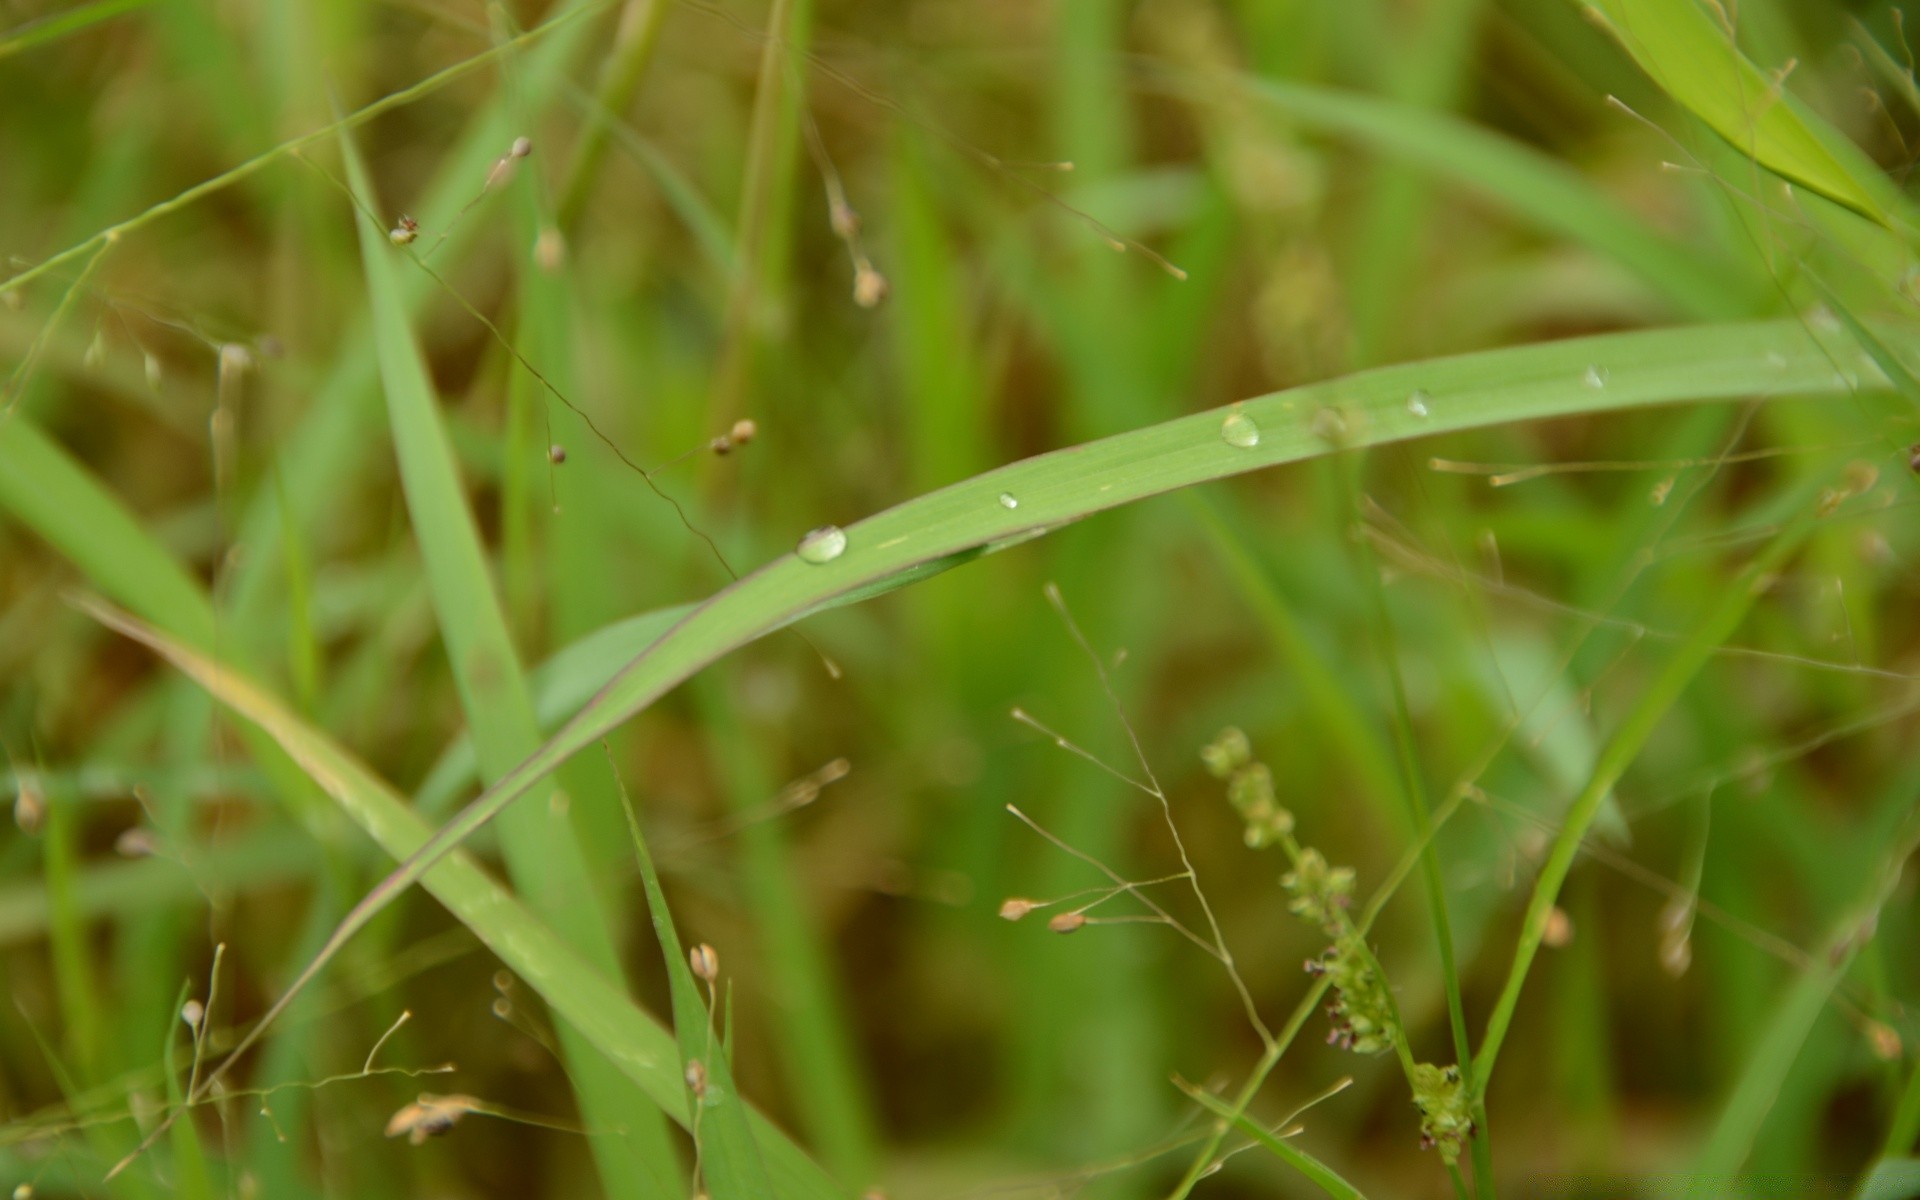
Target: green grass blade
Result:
[1696, 62]
[1467, 391]
[542, 851]
[560, 686]
[1714, 627]
[730, 1160]
[1318, 1173]
[624, 1035]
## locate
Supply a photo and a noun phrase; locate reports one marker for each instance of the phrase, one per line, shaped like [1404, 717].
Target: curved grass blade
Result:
[627, 1037]
[1697, 63]
[1469, 391]
[560, 686]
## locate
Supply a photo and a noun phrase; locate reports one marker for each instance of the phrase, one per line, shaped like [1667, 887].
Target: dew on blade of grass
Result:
[822, 545]
[1239, 430]
[1417, 403]
[1007, 500]
[1596, 376]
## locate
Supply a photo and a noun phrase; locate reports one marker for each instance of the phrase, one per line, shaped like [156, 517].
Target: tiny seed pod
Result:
[29, 807]
[1067, 922]
[193, 1012]
[556, 454]
[1015, 907]
[705, 963]
[404, 232]
[430, 1116]
[743, 431]
[521, 148]
[1884, 1040]
[1559, 929]
[869, 287]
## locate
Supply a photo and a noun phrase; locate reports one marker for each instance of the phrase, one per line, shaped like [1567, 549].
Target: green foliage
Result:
[436, 392]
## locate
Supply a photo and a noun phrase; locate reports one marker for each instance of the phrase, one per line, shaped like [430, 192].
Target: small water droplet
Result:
[1596, 377]
[1007, 500]
[822, 545]
[1239, 430]
[1417, 403]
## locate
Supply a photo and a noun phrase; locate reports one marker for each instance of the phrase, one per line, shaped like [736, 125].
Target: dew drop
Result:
[1417, 403]
[1596, 377]
[822, 545]
[1007, 500]
[1239, 430]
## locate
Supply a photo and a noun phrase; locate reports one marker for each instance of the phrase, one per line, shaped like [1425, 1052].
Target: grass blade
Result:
[541, 849]
[1493, 387]
[1697, 63]
[627, 1037]
[730, 1161]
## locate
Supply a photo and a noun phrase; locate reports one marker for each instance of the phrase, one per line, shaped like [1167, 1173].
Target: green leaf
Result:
[1694, 60]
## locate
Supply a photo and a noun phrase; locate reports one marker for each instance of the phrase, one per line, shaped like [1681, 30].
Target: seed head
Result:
[869, 287]
[1015, 907]
[744, 430]
[705, 963]
[1067, 922]
[1559, 930]
[29, 807]
[521, 148]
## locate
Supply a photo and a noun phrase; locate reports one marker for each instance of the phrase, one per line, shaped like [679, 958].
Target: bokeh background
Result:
[1322, 174]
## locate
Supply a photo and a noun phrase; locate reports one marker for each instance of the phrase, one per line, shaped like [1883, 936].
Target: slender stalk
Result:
[1413, 791]
[1620, 751]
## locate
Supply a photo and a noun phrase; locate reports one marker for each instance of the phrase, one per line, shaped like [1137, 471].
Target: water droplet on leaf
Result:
[1007, 500]
[1239, 430]
[1417, 403]
[1596, 377]
[822, 545]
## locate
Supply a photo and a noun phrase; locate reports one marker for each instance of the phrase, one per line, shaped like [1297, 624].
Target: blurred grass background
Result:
[1341, 185]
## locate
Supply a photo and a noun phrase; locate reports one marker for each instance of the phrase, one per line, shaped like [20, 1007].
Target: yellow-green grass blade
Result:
[541, 849]
[620, 1031]
[731, 1168]
[1694, 60]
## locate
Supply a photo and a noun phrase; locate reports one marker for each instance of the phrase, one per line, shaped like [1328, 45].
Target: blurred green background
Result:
[1340, 185]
